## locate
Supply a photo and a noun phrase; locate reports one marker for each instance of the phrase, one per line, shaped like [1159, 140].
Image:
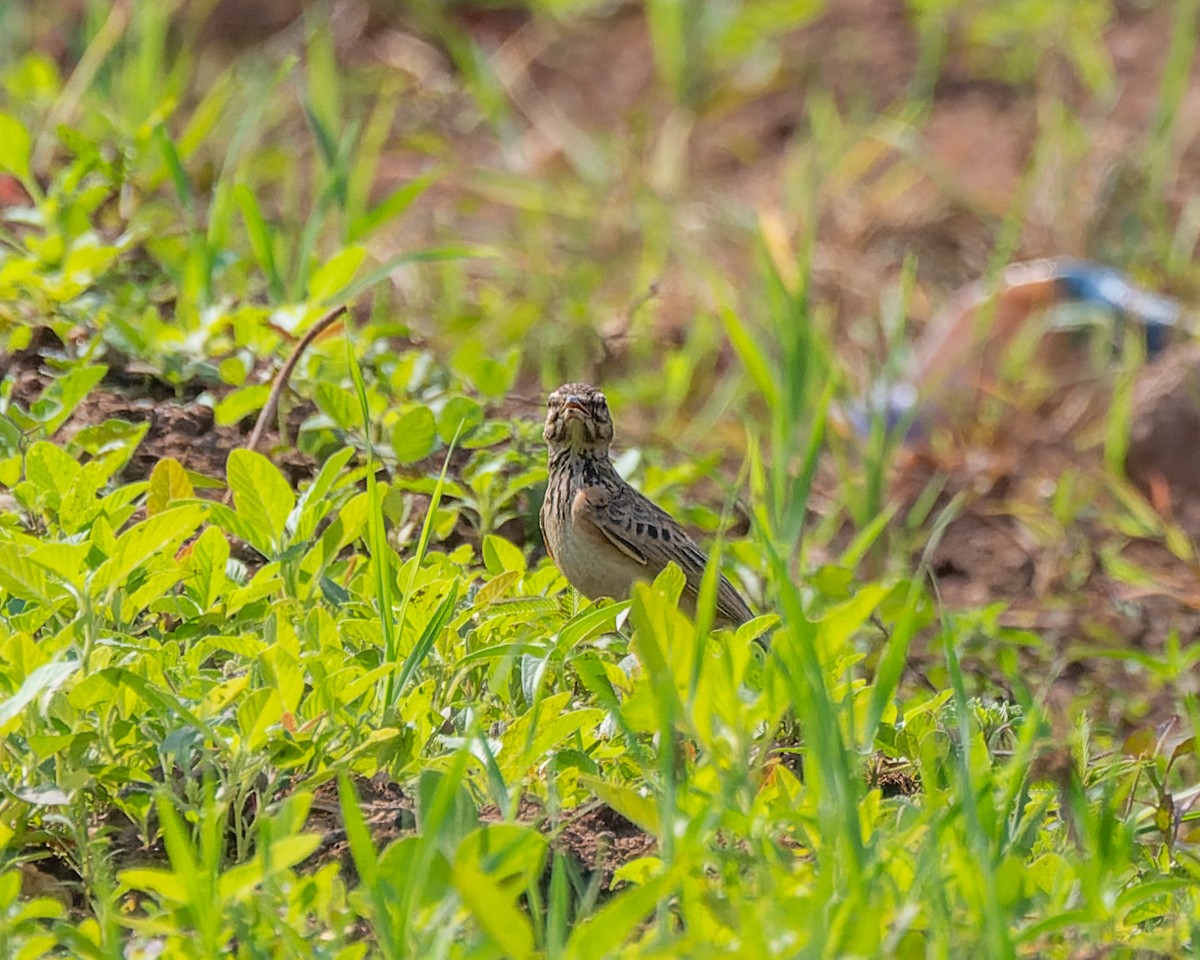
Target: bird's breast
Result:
[593, 570]
[591, 564]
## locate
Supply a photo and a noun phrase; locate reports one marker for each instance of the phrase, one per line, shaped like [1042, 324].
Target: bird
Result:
[601, 533]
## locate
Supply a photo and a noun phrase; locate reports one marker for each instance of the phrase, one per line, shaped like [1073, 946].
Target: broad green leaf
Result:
[23, 656]
[104, 688]
[328, 475]
[415, 435]
[239, 646]
[557, 727]
[241, 403]
[491, 375]
[629, 803]
[110, 436]
[670, 582]
[24, 578]
[335, 274]
[166, 885]
[233, 370]
[10, 470]
[352, 684]
[459, 413]
[219, 697]
[15, 146]
[589, 623]
[157, 535]
[487, 434]
[347, 526]
[500, 556]
[10, 438]
[168, 481]
[445, 811]
[265, 583]
[511, 854]
[63, 561]
[282, 671]
[50, 470]
[35, 77]
[602, 934]
[315, 502]
[663, 643]
[59, 400]
[103, 539]
[10, 887]
[640, 870]
[44, 679]
[152, 590]
[257, 712]
[831, 581]
[86, 260]
[836, 629]
[261, 496]
[338, 403]
[205, 563]
[241, 527]
[162, 699]
[495, 589]
[80, 504]
[1138, 893]
[495, 913]
[243, 881]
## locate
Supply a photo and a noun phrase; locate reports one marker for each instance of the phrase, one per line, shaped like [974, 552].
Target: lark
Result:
[601, 533]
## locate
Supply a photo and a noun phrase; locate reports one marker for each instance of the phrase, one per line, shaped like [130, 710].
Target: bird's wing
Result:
[637, 528]
[650, 537]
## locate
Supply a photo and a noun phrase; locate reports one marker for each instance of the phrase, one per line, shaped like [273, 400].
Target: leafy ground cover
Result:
[324, 695]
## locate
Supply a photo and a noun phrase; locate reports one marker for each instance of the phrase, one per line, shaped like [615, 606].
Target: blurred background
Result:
[624, 163]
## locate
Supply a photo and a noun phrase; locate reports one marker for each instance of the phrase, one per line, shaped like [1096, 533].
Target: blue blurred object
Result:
[1029, 287]
[1106, 287]
[895, 404]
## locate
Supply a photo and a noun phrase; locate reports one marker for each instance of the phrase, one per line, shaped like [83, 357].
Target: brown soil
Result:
[595, 837]
[180, 428]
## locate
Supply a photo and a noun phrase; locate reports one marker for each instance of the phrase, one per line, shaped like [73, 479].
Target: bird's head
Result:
[577, 417]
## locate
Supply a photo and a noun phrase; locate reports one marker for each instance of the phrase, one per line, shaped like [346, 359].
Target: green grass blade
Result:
[381, 552]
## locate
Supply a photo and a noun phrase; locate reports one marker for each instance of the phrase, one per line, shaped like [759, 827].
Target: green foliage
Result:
[695, 46]
[1016, 37]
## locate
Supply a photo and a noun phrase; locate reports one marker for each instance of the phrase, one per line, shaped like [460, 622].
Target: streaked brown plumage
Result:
[602, 534]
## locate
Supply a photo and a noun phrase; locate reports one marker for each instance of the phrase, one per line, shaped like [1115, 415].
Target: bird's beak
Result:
[573, 408]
